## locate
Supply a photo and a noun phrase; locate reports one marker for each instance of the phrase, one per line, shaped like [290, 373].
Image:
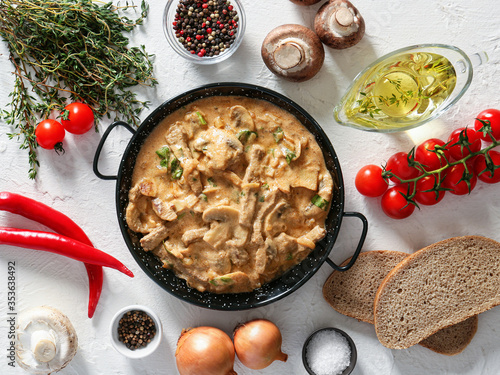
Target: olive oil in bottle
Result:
[399, 91]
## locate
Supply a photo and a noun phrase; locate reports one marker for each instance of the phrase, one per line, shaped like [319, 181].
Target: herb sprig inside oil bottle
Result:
[400, 91]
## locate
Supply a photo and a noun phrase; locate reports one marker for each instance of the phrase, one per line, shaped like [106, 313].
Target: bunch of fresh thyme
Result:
[71, 50]
[467, 176]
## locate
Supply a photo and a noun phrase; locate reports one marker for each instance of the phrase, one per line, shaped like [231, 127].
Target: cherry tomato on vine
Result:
[50, 134]
[79, 119]
[398, 165]
[458, 151]
[480, 166]
[423, 195]
[394, 204]
[493, 116]
[431, 160]
[453, 178]
[369, 181]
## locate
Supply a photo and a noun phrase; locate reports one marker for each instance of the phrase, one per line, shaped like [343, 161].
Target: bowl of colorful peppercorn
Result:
[204, 31]
[136, 331]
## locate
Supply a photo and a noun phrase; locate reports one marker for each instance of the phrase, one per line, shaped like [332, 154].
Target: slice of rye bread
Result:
[436, 287]
[352, 293]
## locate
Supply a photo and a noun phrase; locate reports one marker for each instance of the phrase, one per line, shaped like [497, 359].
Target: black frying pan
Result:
[270, 292]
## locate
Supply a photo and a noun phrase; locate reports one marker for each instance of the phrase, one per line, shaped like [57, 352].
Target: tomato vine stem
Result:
[463, 142]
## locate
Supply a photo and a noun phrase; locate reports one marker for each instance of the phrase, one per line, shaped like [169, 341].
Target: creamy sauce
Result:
[229, 192]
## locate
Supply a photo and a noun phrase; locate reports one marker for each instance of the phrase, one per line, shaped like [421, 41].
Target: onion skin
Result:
[205, 351]
[258, 344]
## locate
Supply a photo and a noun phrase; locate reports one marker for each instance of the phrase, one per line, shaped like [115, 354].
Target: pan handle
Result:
[360, 243]
[101, 145]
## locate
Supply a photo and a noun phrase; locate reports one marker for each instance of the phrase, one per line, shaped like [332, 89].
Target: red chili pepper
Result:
[62, 245]
[62, 224]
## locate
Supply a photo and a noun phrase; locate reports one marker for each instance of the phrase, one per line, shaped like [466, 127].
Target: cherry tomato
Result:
[80, 118]
[493, 117]
[423, 195]
[480, 165]
[398, 165]
[50, 134]
[431, 160]
[454, 180]
[369, 181]
[394, 204]
[458, 151]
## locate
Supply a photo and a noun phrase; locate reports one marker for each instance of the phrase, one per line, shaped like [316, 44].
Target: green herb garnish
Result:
[166, 161]
[290, 155]
[201, 118]
[175, 169]
[319, 201]
[246, 136]
[164, 155]
[224, 279]
[278, 134]
[166, 248]
[211, 181]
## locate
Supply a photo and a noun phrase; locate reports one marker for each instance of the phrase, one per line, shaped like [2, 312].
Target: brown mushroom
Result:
[305, 2]
[339, 24]
[293, 52]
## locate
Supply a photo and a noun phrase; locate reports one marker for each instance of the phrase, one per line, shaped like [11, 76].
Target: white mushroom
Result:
[226, 214]
[241, 118]
[46, 340]
[273, 223]
[225, 225]
[339, 24]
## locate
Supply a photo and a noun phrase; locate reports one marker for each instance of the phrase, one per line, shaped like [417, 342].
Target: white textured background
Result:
[67, 183]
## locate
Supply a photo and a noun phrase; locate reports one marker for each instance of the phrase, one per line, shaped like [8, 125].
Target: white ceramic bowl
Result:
[169, 18]
[141, 352]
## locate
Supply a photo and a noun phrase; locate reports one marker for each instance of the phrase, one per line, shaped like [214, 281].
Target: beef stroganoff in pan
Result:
[229, 192]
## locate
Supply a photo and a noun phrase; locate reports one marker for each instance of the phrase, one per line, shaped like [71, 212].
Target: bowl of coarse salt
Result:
[329, 351]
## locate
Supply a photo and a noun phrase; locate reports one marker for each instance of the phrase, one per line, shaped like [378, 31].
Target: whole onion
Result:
[258, 344]
[205, 351]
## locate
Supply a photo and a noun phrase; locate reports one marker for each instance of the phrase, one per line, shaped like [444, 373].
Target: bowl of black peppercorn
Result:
[136, 331]
[204, 31]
